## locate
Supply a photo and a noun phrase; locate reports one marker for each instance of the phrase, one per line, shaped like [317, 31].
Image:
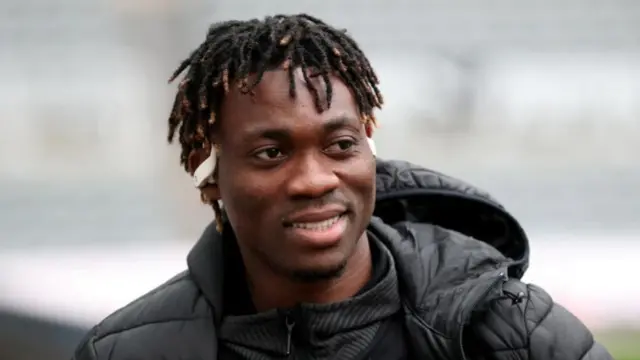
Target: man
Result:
[318, 250]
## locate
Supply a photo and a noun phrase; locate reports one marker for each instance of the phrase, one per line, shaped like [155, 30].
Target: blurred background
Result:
[537, 102]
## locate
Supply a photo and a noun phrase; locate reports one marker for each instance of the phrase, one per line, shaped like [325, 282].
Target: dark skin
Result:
[278, 157]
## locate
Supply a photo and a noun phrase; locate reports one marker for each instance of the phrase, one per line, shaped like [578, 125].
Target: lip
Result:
[315, 215]
[320, 238]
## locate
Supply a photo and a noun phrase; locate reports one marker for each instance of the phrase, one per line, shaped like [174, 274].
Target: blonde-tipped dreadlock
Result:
[234, 50]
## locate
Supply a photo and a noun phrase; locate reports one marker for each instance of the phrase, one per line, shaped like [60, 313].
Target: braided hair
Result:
[233, 51]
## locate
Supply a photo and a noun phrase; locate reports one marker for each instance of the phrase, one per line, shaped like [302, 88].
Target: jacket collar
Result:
[206, 267]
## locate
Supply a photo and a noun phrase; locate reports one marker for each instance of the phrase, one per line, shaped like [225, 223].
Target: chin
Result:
[311, 275]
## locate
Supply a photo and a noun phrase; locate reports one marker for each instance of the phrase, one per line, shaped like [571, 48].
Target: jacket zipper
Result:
[290, 324]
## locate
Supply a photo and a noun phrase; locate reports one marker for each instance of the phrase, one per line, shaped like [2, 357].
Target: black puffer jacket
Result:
[462, 298]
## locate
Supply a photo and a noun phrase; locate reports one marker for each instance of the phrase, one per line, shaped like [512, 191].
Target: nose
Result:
[311, 177]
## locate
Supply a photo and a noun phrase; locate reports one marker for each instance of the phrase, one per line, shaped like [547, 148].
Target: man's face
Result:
[298, 186]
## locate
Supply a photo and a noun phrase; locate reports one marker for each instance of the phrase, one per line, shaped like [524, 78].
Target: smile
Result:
[318, 225]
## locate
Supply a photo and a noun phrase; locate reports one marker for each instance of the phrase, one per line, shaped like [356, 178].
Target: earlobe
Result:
[210, 193]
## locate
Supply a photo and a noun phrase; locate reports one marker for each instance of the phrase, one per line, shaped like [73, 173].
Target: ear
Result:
[372, 145]
[202, 167]
[195, 159]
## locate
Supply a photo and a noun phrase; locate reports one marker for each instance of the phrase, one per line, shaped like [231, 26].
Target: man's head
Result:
[287, 105]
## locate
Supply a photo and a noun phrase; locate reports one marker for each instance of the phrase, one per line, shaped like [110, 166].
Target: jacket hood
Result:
[408, 192]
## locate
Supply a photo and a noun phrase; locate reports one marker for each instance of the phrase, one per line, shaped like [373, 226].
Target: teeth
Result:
[317, 226]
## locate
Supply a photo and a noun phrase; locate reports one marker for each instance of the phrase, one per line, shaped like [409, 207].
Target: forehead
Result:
[272, 106]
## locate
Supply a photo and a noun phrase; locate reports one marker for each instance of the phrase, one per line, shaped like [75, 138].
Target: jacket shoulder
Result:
[160, 319]
[443, 274]
[178, 299]
[523, 322]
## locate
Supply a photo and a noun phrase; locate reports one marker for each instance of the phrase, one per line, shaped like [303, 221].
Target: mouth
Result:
[318, 225]
[318, 234]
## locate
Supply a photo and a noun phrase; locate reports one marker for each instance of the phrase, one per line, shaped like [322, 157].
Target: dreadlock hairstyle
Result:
[235, 50]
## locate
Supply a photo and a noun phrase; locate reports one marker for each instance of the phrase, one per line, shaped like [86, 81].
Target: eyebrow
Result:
[280, 134]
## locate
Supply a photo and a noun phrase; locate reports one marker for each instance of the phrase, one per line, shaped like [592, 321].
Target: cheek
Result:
[360, 177]
[244, 198]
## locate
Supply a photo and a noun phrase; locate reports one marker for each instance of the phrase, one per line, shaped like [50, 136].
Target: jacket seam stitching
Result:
[544, 317]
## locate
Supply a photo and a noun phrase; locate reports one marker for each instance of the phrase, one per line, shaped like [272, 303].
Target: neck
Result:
[270, 290]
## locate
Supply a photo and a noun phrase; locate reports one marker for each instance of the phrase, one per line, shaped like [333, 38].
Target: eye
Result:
[269, 154]
[341, 146]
